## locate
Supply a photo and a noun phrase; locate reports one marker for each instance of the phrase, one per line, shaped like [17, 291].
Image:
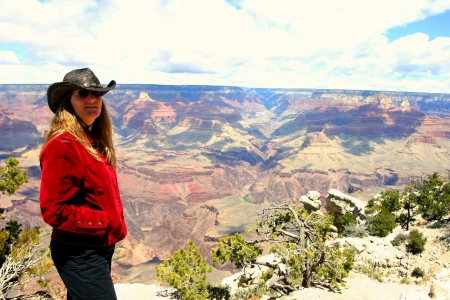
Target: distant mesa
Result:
[405, 106]
[318, 142]
[422, 139]
[436, 127]
[316, 139]
[381, 101]
[16, 132]
[144, 97]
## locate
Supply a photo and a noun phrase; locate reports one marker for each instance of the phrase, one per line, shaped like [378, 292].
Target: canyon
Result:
[200, 162]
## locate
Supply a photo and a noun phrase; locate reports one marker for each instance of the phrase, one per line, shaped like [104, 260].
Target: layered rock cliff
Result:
[199, 162]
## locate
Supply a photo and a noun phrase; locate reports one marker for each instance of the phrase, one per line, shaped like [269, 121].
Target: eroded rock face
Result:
[182, 146]
[16, 132]
[338, 204]
[311, 201]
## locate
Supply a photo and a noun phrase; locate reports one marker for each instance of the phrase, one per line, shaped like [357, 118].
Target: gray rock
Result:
[313, 195]
[339, 204]
[309, 204]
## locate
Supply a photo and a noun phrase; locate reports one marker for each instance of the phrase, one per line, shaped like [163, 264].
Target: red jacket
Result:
[79, 195]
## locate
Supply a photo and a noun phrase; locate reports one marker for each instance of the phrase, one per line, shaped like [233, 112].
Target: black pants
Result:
[86, 272]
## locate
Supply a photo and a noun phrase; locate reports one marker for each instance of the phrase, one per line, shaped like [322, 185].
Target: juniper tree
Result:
[417, 242]
[21, 255]
[380, 212]
[388, 200]
[299, 242]
[382, 223]
[11, 177]
[409, 205]
[433, 197]
[186, 272]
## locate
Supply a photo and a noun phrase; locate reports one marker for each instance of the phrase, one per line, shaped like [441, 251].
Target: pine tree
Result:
[186, 272]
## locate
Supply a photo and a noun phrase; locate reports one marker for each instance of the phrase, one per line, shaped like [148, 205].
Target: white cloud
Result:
[8, 57]
[286, 43]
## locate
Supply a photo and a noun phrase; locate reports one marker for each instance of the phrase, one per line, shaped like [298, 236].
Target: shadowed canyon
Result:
[199, 162]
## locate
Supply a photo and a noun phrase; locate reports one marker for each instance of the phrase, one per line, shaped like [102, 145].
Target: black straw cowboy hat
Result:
[79, 79]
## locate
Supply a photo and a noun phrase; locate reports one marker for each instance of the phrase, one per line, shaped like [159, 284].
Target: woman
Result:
[79, 195]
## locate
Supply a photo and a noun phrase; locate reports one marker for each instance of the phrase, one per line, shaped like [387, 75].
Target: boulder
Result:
[311, 201]
[338, 204]
[313, 195]
[252, 274]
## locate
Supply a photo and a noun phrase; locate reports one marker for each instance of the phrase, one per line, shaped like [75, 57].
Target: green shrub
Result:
[433, 197]
[383, 223]
[370, 271]
[235, 249]
[11, 177]
[218, 291]
[345, 220]
[298, 240]
[354, 230]
[405, 280]
[267, 275]
[372, 206]
[246, 293]
[399, 239]
[20, 257]
[247, 198]
[418, 272]
[390, 200]
[186, 272]
[416, 242]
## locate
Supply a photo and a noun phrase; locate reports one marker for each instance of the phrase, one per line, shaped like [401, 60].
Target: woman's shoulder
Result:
[66, 137]
[63, 145]
[58, 141]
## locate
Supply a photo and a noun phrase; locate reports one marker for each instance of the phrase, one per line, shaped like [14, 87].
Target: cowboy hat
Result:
[79, 79]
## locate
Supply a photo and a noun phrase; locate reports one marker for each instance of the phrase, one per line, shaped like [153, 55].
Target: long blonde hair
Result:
[65, 120]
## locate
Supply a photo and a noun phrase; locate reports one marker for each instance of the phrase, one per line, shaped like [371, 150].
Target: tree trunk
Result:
[408, 218]
[307, 274]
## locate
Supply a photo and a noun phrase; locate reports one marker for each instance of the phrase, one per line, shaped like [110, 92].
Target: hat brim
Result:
[56, 91]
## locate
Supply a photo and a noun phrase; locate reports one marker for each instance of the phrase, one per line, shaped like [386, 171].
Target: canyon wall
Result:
[199, 162]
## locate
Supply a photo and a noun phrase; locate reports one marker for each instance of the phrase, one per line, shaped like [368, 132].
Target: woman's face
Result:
[87, 105]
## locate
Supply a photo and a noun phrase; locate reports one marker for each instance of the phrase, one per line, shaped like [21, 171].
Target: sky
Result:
[383, 45]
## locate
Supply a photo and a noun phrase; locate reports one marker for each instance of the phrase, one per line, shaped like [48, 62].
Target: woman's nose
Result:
[90, 97]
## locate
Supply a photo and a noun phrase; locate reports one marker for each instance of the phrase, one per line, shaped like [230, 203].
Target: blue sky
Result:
[433, 26]
[382, 45]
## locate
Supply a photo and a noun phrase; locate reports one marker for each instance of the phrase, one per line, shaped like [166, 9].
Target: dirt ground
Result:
[361, 287]
[435, 261]
[358, 287]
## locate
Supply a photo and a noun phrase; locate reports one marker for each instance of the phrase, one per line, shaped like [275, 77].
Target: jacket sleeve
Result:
[62, 178]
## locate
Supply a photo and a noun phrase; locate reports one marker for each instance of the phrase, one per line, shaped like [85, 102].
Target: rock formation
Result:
[311, 201]
[182, 147]
[338, 204]
[16, 132]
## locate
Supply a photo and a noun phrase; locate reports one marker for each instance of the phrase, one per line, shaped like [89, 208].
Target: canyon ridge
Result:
[200, 162]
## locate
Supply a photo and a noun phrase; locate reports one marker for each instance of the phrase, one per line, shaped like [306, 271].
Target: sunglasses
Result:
[85, 93]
